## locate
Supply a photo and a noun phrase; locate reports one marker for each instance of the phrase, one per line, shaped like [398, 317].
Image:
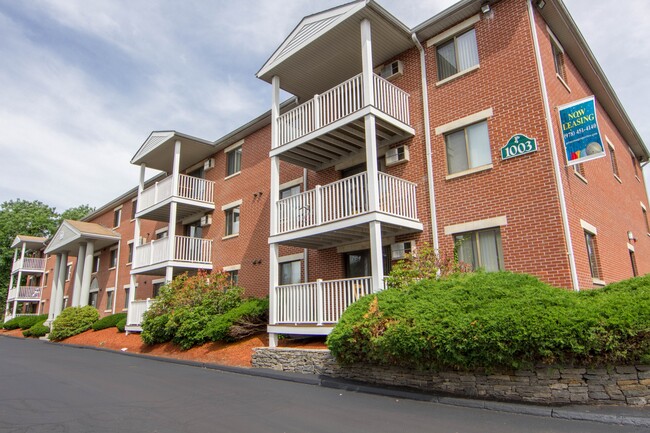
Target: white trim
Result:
[230, 176]
[118, 208]
[566, 86]
[630, 247]
[291, 183]
[134, 202]
[609, 142]
[476, 225]
[291, 258]
[234, 235]
[554, 40]
[232, 268]
[231, 205]
[113, 248]
[130, 242]
[643, 206]
[233, 146]
[161, 230]
[193, 167]
[156, 281]
[457, 75]
[598, 282]
[588, 227]
[458, 28]
[577, 173]
[464, 121]
[364, 245]
[470, 171]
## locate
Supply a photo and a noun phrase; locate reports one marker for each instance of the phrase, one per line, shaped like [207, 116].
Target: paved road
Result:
[52, 388]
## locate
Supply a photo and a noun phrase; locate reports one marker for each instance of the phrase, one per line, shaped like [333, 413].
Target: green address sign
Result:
[518, 145]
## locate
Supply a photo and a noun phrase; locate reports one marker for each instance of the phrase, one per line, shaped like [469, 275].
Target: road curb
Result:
[353, 386]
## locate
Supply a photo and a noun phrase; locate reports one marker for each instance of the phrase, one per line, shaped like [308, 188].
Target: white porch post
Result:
[11, 279]
[171, 230]
[376, 254]
[78, 274]
[13, 314]
[58, 302]
[55, 288]
[89, 257]
[274, 278]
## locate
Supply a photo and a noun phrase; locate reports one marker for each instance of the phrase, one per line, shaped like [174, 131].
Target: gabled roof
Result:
[32, 242]
[71, 234]
[157, 151]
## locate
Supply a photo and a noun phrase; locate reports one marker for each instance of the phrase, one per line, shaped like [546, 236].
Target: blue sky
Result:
[82, 84]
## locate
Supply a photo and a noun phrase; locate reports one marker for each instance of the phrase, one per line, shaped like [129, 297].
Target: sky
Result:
[83, 83]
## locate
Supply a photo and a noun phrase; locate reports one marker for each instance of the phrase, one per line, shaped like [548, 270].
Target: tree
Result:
[77, 213]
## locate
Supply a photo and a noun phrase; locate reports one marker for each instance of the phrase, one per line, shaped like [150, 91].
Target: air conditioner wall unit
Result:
[397, 155]
[206, 220]
[208, 164]
[391, 70]
[399, 250]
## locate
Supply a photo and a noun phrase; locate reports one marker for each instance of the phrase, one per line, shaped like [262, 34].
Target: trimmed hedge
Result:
[496, 321]
[24, 322]
[37, 330]
[12, 324]
[246, 319]
[73, 321]
[108, 321]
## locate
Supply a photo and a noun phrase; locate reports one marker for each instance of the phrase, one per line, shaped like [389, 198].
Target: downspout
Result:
[427, 140]
[556, 164]
[305, 252]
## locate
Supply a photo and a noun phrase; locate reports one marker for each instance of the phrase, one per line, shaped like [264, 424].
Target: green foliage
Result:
[496, 321]
[246, 319]
[12, 324]
[121, 325]
[73, 321]
[421, 265]
[76, 213]
[108, 321]
[27, 322]
[185, 306]
[37, 330]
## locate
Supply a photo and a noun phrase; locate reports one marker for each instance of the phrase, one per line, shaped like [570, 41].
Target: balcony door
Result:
[357, 263]
[193, 246]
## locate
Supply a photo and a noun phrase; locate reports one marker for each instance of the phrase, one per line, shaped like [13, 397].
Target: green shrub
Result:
[496, 321]
[12, 324]
[121, 325]
[27, 322]
[108, 321]
[248, 318]
[184, 307]
[37, 330]
[73, 321]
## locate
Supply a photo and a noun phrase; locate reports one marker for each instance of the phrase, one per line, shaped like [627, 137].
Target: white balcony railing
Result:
[137, 309]
[189, 187]
[29, 263]
[24, 292]
[338, 102]
[186, 249]
[343, 199]
[320, 302]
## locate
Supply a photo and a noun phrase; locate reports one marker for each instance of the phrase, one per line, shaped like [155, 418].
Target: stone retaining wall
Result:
[549, 385]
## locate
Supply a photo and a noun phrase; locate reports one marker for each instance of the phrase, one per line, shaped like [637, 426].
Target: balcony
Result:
[192, 195]
[29, 265]
[24, 293]
[330, 127]
[338, 213]
[188, 253]
[315, 304]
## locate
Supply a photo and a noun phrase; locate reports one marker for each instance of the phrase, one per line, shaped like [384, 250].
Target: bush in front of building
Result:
[186, 305]
[121, 325]
[108, 321]
[496, 321]
[247, 319]
[37, 330]
[12, 324]
[23, 322]
[73, 321]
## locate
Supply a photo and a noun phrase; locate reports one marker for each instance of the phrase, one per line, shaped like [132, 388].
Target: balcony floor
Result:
[185, 208]
[159, 269]
[347, 231]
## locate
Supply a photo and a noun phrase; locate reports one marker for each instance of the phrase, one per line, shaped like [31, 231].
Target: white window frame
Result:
[227, 151]
[130, 245]
[134, 208]
[159, 231]
[157, 281]
[556, 45]
[644, 211]
[117, 211]
[68, 271]
[612, 159]
[117, 257]
[453, 32]
[99, 259]
[233, 268]
[593, 231]
[226, 208]
[110, 290]
[127, 292]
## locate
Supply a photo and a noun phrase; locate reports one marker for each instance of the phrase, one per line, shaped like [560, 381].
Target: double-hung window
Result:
[232, 221]
[592, 254]
[233, 161]
[457, 54]
[117, 217]
[113, 258]
[290, 272]
[468, 148]
[481, 249]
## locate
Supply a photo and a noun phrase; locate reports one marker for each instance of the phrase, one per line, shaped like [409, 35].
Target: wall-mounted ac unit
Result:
[399, 250]
[397, 155]
[392, 70]
[206, 220]
[208, 164]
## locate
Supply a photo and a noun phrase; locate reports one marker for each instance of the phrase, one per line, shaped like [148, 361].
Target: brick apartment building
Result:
[396, 138]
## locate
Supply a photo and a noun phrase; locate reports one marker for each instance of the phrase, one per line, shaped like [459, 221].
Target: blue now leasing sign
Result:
[580, 133]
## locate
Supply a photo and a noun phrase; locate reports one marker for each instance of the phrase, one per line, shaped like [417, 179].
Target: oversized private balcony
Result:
[24, 293]
[29, 265]
[339, 213]
[298, 308]
[186, 253]
[192, 195]
[330, 126]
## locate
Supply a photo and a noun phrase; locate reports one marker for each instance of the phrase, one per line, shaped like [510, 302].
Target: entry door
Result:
[357, 263]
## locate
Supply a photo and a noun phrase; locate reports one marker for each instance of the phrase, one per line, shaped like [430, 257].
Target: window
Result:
[457, 54]
[134, 207]
[558, 60]
[635, 270]
[579, 171]
[233, 161]
[232, 221]
[290, 272]
[130, 258]
[234, 276]
[636, 172]
[96, 263]
[481, 249]
[47, 274]
[109, 299]
[156, 287]
[126, 297]
[468, 148]
[612, 158]
[113, 258]
[288, 192]
[592, 255]
[94, 291]
[645, 219]
[117, 217]
[68, 272]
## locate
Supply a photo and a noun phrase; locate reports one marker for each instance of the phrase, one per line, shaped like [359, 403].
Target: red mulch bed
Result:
[13, 333]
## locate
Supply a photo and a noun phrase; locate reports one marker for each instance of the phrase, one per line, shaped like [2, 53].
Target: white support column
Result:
[171, 230]
[58, 302]
[15, 257]
[13, 314]
[366, 63]
[274, 280]
[22, 255]
[55, 288]
[87, 274]
[275, 193]
[78, 274]
[376, 257]
[274, 277]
